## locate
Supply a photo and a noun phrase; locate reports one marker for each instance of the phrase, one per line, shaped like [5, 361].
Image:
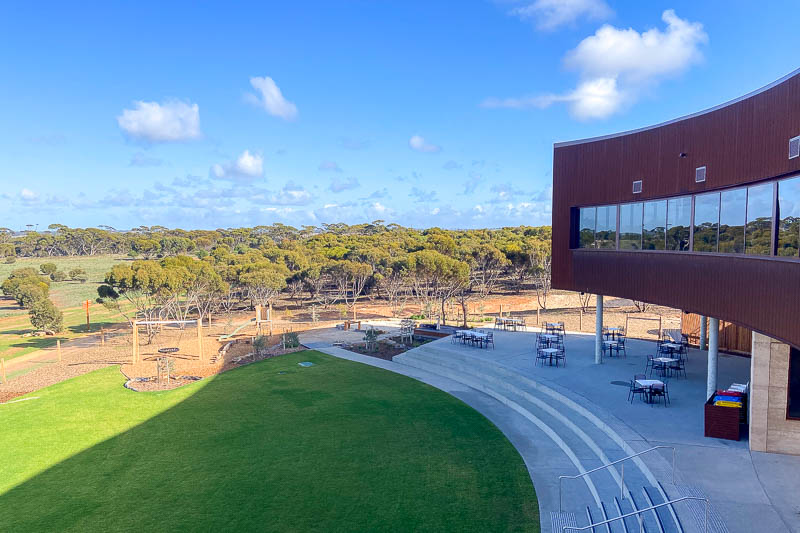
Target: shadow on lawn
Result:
[219, 460]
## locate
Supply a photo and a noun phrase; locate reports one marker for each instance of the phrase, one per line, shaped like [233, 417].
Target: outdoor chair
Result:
[489, 339]
[455, 337]
[636, 389]
[677, 367]
[541, 357]
[660, 391]
[620, 346]
[560, 355]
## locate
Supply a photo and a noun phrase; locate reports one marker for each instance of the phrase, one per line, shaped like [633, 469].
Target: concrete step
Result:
[579, 432]
[601, 440]
[584, 452]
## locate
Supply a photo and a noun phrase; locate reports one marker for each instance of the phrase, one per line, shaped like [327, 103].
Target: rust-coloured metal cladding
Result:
[742, 142]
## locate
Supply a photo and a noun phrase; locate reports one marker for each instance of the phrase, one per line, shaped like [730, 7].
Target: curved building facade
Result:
[701, 213]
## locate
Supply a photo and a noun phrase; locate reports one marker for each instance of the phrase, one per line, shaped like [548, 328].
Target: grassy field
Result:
[272, 446]
[67, 293]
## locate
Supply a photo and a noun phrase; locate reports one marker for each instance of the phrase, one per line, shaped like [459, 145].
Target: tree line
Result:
[176, 273]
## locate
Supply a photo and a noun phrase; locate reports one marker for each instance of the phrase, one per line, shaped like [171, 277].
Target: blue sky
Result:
[421, 113]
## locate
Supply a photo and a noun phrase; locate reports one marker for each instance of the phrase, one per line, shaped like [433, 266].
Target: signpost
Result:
[86, 306]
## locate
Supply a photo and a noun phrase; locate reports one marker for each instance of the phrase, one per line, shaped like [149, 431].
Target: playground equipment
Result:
[262, 319]
[136, 349]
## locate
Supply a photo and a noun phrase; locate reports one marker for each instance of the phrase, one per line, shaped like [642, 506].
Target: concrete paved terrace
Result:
[583, 420]
[568, 420]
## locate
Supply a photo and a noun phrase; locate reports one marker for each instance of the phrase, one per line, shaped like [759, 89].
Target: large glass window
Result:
[655, 225]
[706, 222]
[606, 233]
[679, 220]
[630, 226]
[793, 404]
[588, 219]
[758, 232]
[731, 221]
[788, 217]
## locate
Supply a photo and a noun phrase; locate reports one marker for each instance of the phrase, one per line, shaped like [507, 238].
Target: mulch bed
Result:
[385, 350]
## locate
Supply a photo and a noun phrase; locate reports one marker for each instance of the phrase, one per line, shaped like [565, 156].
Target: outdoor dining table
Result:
[550, 353]
[476, 335]
[648, 384]
[610, 345]
[613, 332]
[665, 362]
[510, 322]
[549, 337]
[672, 346]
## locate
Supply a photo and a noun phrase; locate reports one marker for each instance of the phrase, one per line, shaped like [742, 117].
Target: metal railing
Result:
[640, 511]
[622, 480]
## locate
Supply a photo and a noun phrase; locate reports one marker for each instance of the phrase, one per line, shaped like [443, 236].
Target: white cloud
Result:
[339, 185]
[28, 195]
[292, 194]
[551, 14]
[616, 65]
[329, 166]
[246, 166]
[421, 145]
[271, 98]
[153, 122]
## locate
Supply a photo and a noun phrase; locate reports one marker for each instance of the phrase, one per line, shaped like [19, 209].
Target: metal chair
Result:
[636, 389]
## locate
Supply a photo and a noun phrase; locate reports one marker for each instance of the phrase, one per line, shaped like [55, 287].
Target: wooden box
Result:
[722, 422]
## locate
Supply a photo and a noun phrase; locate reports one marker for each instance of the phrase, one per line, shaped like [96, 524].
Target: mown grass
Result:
[273, 446]
[67, 293]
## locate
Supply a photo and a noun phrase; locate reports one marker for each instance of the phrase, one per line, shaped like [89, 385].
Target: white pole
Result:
[703, 333]
[713, 352]
[598, 331]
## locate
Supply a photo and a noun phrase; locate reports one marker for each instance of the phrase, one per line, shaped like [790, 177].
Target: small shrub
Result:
[290, 339]
[342, 310]
[48, 268]
[371, 339]
[78, 274]
[46, 316]
[58, 276]
[201, 254]
[261, 344]
[417, 317]
[10, 260]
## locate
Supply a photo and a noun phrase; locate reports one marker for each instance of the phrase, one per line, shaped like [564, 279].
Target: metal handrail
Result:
[640, 511]
[622, 481]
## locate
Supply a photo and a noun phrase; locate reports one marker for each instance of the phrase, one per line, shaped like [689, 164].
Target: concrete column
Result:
[703, 333]
[713, 351]
[598, 331]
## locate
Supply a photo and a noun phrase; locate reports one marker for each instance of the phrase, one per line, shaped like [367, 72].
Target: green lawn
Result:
[272, 446]
[67, 293]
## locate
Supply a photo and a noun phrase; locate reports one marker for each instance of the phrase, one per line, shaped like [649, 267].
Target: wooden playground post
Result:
[3, 367]
[269, 318]
[209, 319]
[58, 349]
[86, 304]
[580, 320]
[135, 343]
[501, 310]
[200, 338]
